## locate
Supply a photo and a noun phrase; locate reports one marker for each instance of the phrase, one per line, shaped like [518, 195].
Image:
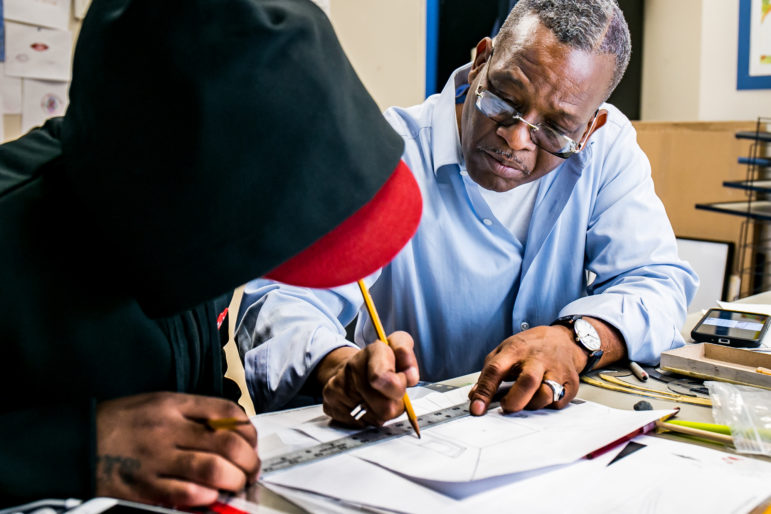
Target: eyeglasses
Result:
[544, 136]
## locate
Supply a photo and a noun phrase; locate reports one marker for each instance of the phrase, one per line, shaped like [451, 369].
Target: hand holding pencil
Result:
[375, 378]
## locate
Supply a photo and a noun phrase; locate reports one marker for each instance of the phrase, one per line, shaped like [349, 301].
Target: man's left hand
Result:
[529, 358]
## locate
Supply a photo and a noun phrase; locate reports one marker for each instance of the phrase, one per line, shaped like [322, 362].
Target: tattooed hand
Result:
[154, 448]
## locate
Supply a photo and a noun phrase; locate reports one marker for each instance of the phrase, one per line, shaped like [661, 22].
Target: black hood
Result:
[244, 108]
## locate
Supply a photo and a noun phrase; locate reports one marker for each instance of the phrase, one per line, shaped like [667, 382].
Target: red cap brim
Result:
[364, 242]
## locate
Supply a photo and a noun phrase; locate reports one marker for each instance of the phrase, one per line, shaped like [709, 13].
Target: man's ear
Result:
[482, 53]
[599, 121]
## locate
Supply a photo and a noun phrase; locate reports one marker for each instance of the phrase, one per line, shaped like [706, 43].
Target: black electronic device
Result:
[731, 328]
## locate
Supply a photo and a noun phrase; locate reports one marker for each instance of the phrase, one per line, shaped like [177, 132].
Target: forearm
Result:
[284, 334]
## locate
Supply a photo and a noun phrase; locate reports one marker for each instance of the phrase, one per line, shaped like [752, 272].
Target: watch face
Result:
[586, 333]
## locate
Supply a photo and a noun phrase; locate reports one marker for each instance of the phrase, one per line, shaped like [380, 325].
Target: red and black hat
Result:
[208, 142]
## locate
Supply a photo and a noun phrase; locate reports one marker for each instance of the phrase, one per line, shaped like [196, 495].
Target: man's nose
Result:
[517, 135]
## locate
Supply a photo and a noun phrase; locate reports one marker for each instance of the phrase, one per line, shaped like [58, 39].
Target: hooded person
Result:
[206, 142]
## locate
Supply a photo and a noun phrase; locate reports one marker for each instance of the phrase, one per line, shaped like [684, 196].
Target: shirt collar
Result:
[445, 145]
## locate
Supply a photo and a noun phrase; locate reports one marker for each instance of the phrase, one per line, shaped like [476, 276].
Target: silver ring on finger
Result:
[358, 412]
[557, 389]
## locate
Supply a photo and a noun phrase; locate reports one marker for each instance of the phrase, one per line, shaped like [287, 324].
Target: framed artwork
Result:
[754, 64]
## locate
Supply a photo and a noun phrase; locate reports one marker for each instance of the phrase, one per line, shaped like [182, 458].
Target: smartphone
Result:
[732, 328]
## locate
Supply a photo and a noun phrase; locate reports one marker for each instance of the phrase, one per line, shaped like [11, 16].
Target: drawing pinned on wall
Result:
[46, 13]
[42, 99]
[38, 53]
[754, 59]
[10, 90]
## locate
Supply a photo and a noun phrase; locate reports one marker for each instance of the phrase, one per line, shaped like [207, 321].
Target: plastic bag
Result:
[747, 412]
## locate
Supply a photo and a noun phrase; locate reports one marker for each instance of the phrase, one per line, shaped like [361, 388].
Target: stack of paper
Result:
[530, 461]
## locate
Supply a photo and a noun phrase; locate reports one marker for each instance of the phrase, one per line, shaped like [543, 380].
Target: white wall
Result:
[689, 64]
[670, 60]
[719, 99]
[386, 43]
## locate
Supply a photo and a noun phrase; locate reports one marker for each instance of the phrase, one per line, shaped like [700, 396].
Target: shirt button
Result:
[524, 325]
[464, 173]
[487, 221]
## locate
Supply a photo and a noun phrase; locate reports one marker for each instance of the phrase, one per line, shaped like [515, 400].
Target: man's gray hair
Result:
[596, 26]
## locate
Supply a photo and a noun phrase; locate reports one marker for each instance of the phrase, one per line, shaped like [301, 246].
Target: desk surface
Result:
[270, 502]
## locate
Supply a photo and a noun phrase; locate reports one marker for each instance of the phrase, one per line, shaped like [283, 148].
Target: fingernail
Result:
[477, 407]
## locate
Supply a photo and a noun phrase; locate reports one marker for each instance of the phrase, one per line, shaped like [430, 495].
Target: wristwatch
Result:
[585, 336]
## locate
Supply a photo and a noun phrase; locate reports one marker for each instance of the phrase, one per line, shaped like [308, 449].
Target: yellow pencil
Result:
[225, 423]
[764, 371]
[381, 335]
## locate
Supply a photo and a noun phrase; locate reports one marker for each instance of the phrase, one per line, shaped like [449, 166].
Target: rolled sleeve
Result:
[284, 332]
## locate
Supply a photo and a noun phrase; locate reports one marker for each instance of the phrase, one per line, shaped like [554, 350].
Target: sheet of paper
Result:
[345, 484]
[497, 443]
[42, 100]
[10, 89]
[38, 53]
[48, 13]
[673, 476]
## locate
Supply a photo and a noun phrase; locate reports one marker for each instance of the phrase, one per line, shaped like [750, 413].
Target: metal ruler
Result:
[364, 437]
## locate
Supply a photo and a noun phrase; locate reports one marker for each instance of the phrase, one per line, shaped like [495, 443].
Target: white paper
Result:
[675, 476]
[42, 100]
[48, 13]
[477, 447]
[664, 476]
[345, 481]
[81, 6]
[10, 89]
[38, 53]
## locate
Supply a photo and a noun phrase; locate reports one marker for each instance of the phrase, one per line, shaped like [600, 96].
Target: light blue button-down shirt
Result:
[464, 283]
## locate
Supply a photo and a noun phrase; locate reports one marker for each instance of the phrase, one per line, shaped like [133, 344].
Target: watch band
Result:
[593, 356]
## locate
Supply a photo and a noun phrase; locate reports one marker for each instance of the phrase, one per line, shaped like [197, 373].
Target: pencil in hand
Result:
[224, 423]
[381, 335]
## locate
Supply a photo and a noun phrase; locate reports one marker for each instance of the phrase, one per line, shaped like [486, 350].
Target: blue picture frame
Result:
[2, 33]
[743, 78]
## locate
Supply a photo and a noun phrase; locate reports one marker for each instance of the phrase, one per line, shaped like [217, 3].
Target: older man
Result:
[530, 181]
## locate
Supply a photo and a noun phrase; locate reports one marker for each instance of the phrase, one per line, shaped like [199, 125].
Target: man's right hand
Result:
[155, 448]
[376, 377]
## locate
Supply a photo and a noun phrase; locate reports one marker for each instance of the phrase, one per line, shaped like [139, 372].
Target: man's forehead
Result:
[532, 55]
[522, 34]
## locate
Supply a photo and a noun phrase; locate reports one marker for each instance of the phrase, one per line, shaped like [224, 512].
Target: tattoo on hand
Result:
[126, 467]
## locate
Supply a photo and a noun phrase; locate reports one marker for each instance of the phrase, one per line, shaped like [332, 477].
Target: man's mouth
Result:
[506, 159]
